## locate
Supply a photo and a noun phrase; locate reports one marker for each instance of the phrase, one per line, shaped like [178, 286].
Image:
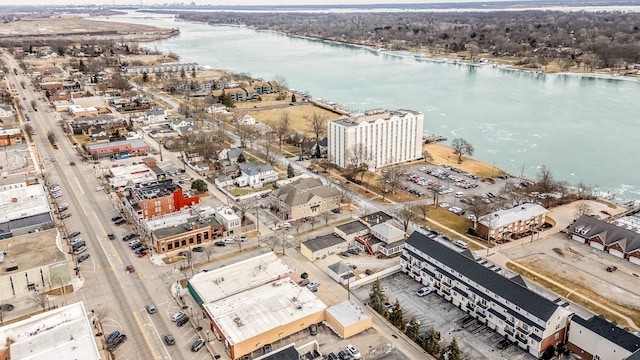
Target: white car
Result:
[353, 352]
[461, 244]
[314, 284]
[286, 225]
[424, 291]
[56, 195]
[177, 316]
[99, 188]
[228, 241]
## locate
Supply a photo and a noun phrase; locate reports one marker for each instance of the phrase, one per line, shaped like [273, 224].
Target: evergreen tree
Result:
[318, 152]
[395, 316]
[290, 172]
[145, 77]
[431, 342]
[226, 100]
[413, 330]
[452, 351]
[241, 159]
[293, 98]
[376, 298]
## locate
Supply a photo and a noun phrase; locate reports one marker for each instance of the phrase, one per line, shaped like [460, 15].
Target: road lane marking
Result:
[81, 191]
[144, 335]
[159, 336]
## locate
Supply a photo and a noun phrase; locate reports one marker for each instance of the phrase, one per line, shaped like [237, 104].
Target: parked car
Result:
[313, 330]
[198, 249]
[112, 336]
[111, 236]
[424, 291]
[116, 341]
[176, 316]
[83, 257]
[65, 215]
[120, 221]
[151, 309]
[183, 320]
[332, 356]
[197, 345]
[129, 237]
[74, 234]
[303, 282]
[605, 212]
[99, 188]
[343, 355]
[353, 352]
[461, 244]
[228, 241]
[353, 251]
[219, 243]
[130, 268]
[169, 339]
[313, 284]
[612, 268]
[116, 218]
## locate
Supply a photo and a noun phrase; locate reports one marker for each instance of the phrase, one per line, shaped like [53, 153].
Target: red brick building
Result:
[117, 148]
[159, 199]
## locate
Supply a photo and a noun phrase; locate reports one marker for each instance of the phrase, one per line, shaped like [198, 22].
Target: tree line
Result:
[594, 40]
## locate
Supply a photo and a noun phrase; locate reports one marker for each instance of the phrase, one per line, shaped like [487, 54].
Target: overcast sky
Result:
[230, 2]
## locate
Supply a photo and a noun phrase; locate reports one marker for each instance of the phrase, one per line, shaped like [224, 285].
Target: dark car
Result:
[74, 234]
[303, 282]
[611, 268]
[304, 275]
[120, 221]
[313, 330]
[65, 215]
[332, 356]
[129, 237]
[141, 250]
[343, 355]
[116, 341]
[83, 257]
[220, 243]
[136, 246]
[182, 320]
[353, 251]
[116, 218]
[78, 245]
[111, 236]
[198, 249]
[112, 336]
[169, 339]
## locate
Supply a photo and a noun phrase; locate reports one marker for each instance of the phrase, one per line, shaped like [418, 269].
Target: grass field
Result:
[445, 155]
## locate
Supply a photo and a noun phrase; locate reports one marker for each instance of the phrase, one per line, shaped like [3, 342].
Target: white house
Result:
[179, 123]
[255, 175]
[155, 115]
[228, 219]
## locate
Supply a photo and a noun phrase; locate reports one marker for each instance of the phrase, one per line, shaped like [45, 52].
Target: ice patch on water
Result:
[443, 114]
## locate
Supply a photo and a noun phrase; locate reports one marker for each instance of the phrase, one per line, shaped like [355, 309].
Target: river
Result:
[583, 129]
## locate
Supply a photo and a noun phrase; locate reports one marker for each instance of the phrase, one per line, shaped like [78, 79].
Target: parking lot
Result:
[475, 340]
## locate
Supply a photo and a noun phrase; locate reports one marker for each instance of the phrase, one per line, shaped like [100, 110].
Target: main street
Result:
[119, 296]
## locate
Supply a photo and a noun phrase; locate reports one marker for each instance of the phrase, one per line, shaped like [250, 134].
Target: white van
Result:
[461, 244]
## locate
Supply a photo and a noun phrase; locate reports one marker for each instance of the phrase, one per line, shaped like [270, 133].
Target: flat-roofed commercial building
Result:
[62, 333]
[117, 148]
[157, 199]
[248, 321]
[377, 137]
[181, 231]
[348, 319]
[23, 208]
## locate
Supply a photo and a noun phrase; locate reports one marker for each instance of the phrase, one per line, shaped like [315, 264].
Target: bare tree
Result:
[406, 216]
[427, 156]
[462, 148]
[326, 216]
[318, 125]
[39, 298]
[324, 164]
[357, 162]
[423, 208]
[583, 208]
[282, 128]
[243, 207]
[269, 150]
[313, 220]
[51, 136]
[208, 250]
[297, 225]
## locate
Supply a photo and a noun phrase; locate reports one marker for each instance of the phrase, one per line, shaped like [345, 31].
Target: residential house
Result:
[178, 123]
[597, 338]
[161, 68]
[349, 231]
[155, 115]
[305, 197]
[187, 130]
[262, 87]
[341, 273]
[376, 135]
[98, 134]
[521, 220]
[252, 94]
[531, 321]
[392, 238]
[236, 94]
[322, 145]
[247, 120]
[255, 175]
[609, 237]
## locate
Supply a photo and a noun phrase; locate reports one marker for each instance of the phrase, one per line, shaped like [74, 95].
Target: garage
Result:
[616, 253]
[597, 245]
[634, 260]
[577, 238]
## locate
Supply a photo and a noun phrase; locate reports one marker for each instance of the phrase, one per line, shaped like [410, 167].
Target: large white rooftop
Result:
[63, 333]
[136, 174]
[259, 310]
[19, 201]
[348, 313]
[173, 219]
[500, 218]
[235, 278]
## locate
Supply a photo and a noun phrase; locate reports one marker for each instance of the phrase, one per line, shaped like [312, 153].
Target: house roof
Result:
[610, 331]
[352, 227]
[513, 292]
[340, 268]
[376, 217]
[302, 190]
[234, 153]
[323, 242]
[190, 127]
[589, 227]
[252, 169]
[500, 218]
